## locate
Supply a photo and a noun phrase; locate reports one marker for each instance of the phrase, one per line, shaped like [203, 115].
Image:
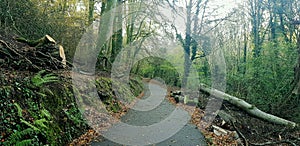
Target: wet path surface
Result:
[159, 123]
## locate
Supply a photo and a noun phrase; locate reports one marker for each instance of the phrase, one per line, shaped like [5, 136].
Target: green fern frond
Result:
[18, 136]
[39, 80]
[41, 94]
[46, 113]
[30, 125]
[19, 109]
[48, 91]
[50, 75]
[75, 119]
[26, 142]
[41, 72]
[40, 123]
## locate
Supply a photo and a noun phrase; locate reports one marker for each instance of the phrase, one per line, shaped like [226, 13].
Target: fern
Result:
[46, 113]
[40, 123]
[75, 119]
[48, 91]
[19, 109]
[41, 94]
[30, 125]
[18, 136]
[26, 142]
[39, 80]
[39, 126]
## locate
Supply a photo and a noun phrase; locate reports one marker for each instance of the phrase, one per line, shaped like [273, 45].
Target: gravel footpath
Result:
[162, 125]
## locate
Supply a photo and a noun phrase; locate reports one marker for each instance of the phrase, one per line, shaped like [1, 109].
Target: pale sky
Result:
[226, 5]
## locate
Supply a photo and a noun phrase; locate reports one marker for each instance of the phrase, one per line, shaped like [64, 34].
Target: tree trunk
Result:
[117, 37]
[105, 28]
[187, 45]
[195, 29]
[245, 51]
[251, 109]
[91, 11]
[256, 16]
[296, 81]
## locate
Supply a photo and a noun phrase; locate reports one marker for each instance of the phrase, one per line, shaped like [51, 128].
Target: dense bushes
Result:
[267, 80]
[153, 67]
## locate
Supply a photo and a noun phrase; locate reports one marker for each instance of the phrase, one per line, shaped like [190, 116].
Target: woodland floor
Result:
[252, 131]
[255, 131]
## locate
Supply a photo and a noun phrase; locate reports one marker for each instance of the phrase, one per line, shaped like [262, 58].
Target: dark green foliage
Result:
[34, 115]
[38, 111]
[108, 93]
[17, 138]
[136, 84]
[74, 115]
[27, 132]
[267, 81]
[40, 79]
[153, 67]
[21, 16]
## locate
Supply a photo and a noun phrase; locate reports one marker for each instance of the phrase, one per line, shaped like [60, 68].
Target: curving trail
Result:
[159, 123]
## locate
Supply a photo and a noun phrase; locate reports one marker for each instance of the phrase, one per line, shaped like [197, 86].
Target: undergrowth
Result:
[40, 108]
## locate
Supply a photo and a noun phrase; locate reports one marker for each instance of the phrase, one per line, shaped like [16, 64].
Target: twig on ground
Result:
[240, 133]
[272, 143]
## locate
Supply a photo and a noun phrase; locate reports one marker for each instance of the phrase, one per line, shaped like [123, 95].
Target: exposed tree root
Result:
[41, 54]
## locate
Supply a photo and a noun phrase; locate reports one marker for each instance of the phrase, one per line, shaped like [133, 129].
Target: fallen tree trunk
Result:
[251, 109]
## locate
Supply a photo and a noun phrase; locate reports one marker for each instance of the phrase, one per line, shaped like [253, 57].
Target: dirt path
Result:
[159, 123]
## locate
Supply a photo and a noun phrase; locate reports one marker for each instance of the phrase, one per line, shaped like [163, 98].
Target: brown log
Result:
[251, 109]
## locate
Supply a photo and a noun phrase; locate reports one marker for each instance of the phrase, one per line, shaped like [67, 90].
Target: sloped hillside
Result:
[38, 105]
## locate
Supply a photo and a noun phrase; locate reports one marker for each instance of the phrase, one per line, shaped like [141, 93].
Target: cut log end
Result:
[62, 56]
[50, 39]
